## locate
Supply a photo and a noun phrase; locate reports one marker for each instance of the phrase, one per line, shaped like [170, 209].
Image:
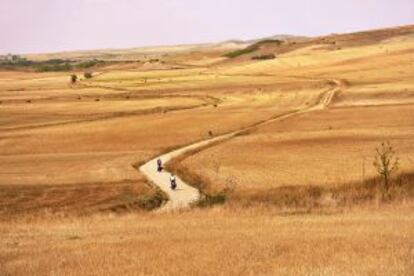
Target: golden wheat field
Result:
[296, 189]
[216, 241]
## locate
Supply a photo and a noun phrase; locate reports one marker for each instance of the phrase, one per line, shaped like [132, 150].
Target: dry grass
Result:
[58, 142]
[67, 163]
[328, 148]
[294, 160]
[43, 113]
[375, 241]
[63, 143]
[79, 199]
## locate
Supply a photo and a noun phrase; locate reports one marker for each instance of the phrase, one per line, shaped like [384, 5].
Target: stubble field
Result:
[72, 201]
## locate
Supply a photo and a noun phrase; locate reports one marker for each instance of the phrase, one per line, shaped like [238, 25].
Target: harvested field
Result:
[216, 241]
[294, 172]
[329, 148]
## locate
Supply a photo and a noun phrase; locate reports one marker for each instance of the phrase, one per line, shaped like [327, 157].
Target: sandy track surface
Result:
[185, 194]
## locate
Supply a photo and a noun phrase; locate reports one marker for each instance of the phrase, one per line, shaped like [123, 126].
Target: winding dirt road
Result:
[185, 194]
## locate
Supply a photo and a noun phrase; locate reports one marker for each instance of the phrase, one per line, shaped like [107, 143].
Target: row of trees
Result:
[51, 65]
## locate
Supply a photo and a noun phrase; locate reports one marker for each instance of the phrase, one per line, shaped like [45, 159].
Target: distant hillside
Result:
[140, 53]
[280, 44]
[208, 53]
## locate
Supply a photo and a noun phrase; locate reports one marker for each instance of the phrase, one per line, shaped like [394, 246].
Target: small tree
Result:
[386, 163]
[87, 75]
[73, 79]
[15, 58]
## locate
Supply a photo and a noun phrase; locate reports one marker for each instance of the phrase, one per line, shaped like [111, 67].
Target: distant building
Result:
[8, 57]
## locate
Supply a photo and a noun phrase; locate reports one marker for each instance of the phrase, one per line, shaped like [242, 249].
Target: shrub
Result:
[386, 164]
[87, 75]
[73, 79]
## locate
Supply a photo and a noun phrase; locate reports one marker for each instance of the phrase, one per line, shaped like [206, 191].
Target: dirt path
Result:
[185, 194]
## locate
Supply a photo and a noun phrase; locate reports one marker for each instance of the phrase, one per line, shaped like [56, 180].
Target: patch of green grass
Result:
[251, 48]
[241, 52]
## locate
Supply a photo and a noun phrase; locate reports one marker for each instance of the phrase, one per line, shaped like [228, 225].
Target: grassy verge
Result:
[129, 202]
[311, 197]
[208, 197]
